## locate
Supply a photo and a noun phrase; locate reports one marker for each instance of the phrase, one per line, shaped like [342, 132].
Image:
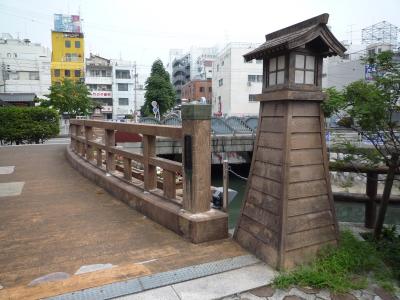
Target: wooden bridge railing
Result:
[371, 197]
[83, 142]
[196, 150]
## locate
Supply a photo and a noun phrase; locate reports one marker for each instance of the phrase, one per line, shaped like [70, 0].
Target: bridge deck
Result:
[61, 221]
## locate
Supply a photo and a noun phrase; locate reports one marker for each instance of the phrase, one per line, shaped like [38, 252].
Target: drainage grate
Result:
[158, 280]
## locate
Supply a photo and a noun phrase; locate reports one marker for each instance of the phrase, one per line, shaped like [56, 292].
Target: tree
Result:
[369, 108]
[70, 98]
[27, 124]
[159, 89]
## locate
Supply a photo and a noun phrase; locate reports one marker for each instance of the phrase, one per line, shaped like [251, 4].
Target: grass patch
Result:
[340, 269]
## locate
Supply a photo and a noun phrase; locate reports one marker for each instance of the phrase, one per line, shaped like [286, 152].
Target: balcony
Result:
[98, 80]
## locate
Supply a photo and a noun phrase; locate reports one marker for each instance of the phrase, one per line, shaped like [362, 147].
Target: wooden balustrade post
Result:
[88, 137]
[81, 146]
[196, 157]
[99, 157]
[110, 142]
[150, 171]
[72, 134]
[169, 184]
[370, 205]
[127, 168]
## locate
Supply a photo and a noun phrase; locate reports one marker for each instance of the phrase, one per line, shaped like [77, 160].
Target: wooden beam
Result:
[150, 172]
[145, 129]
[166, 164]
[169, 185]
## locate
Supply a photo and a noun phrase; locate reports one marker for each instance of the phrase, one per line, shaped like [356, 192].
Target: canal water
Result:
[346, 212]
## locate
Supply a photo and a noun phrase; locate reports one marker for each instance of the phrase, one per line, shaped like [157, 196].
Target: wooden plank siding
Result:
[287, 210]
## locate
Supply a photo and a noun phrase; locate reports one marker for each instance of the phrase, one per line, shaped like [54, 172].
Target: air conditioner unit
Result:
[248, 83]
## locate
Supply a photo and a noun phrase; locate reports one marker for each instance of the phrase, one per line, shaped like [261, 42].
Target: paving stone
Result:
[264, 291]
[292, 297]
[8, 189]
[165, 293]
[57, 276]
[383, 294]
[93, 268]
[227, 283]
[367, 295]
[343, 297]
[296, 292]
[308, 290]
[356, 293]
[6, 170]
[249, 296]
[324, 294]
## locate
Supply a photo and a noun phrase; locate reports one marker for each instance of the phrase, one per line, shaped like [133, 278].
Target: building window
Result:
[8, 54]
[67, 73]
[209, 89]
[202, 89]
[254, 78]
[57, 73]
[276, 72]
[222, 63]
[15, 54]
[252, 97]
[259, 61]
[220, 82]
[304, 69]
[122, 86]
[77, 73]
[33, 75]
[77, 44]
[67, 44]
[123, 101]
[217, 68]
[122, 74]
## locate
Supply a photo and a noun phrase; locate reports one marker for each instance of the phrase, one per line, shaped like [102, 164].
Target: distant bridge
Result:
[232, 137]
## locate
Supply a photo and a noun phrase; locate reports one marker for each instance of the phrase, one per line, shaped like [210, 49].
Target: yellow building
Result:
[67, 60]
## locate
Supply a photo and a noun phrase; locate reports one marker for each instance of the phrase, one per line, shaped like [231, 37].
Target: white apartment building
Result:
[339, 72]
[24, 66]
[236, 82]
[116, 85]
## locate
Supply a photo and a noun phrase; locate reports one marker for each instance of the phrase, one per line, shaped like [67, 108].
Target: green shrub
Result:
[21, 125]
[341, 268]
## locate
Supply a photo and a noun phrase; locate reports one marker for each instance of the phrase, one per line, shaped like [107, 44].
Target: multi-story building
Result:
[123, 88]
[24, 66]
[116, 85]
[180, 73]
[195, 64]
[196, 90]
[236, 82]
[99, 81]
[67, 59]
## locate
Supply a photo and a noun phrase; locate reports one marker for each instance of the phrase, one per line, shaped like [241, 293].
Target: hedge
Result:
[21, 125]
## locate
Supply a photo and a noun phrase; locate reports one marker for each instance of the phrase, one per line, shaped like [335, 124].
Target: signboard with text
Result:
[67, 23]
[101, 94]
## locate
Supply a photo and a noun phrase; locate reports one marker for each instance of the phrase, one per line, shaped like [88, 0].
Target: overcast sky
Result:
[144, 30]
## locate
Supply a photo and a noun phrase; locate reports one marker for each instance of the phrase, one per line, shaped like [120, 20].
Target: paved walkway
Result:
[53, 220]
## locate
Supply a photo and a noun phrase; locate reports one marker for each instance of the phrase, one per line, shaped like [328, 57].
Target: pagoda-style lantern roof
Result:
[312, 33]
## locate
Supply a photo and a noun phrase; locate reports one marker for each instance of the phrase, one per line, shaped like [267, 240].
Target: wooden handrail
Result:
[145, 129]
[84, 144]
